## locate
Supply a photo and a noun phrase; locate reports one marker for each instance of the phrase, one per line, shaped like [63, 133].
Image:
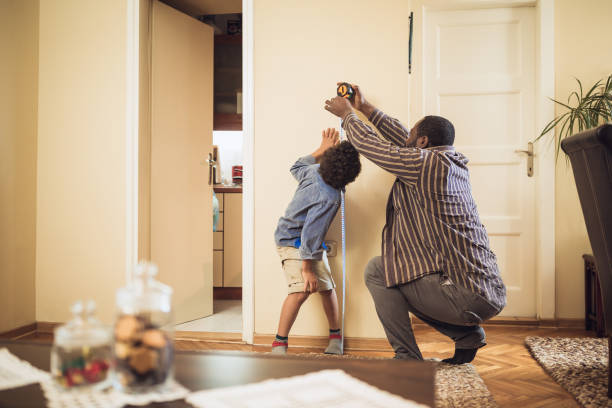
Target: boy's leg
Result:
[289, 311]
[330, 305]
[292, 268]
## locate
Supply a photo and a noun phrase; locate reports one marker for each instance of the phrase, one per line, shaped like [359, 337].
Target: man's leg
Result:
[330, 305]
[289, 312]
[392, 309]
[454, 311]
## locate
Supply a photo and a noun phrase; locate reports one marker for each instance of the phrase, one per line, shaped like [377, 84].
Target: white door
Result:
[478, 71]
[181, 138]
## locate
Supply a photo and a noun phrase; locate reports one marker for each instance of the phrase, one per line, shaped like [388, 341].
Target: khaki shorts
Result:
[292, 265]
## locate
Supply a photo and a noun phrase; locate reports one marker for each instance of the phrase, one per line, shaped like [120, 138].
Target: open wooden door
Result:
[181, 138]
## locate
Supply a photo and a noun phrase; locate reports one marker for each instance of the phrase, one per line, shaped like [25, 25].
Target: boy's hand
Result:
[359, 101]
[329, 138]
[338, 106]
[310, 279]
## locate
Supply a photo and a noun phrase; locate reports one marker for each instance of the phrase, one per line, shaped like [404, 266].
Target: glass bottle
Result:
[144, 333]
[81, 356]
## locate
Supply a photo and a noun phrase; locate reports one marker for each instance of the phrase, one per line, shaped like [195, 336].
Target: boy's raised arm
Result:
[329, 138]
[298, 168]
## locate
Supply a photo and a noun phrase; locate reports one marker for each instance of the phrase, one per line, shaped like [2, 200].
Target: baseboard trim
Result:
[350, 343]
[18, 332]
[211, 337]
[524, 322]
[222, 293]
[563, 323]
[46, 327]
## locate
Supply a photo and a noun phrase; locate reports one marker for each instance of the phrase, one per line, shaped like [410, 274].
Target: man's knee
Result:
[373, 270]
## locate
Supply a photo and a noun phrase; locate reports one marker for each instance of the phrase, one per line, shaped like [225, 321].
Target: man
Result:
[436, 261]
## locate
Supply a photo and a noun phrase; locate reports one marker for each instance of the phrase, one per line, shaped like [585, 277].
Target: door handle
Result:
[213, 166]
[529, 153]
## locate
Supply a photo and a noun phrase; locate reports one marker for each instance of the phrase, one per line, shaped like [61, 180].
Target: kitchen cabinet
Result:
[227, 259]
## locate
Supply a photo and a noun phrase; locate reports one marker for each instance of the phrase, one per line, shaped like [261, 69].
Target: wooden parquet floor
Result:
[514, 378]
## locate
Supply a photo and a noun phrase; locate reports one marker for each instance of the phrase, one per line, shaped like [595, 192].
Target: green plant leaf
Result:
[591, 109]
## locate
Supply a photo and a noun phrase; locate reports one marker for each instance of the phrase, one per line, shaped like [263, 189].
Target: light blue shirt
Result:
[311, 211]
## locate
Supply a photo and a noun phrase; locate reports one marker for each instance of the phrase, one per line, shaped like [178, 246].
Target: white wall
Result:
[301, 49]
[18, 116]
[230, 145]
[80, 247]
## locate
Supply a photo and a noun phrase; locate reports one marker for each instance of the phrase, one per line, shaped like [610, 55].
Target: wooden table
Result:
[204, 370]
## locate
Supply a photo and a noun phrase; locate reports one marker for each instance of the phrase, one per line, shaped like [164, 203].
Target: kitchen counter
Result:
[220, 188]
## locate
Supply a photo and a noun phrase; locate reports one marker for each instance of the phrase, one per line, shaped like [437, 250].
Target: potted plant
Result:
[584, 111]
[589, 110]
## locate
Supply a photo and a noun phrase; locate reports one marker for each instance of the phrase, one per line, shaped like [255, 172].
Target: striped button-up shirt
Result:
[432, 221]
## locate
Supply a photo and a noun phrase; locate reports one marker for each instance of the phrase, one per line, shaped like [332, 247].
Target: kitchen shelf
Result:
[227, 121]
[220, 188]
[228, 39]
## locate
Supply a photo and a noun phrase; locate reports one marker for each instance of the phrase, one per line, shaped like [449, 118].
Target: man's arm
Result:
[391, 128]
[404, 162]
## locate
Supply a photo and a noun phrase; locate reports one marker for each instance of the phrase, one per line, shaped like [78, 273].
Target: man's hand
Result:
[329, 138]
[359, 101]
[310, 279]
[338, 106]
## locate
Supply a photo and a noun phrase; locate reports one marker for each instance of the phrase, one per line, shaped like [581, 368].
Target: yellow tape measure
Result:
[345, 90]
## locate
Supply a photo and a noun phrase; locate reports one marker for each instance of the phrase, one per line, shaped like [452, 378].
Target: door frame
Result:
[248, 196]
[545, 111]
[137, 139]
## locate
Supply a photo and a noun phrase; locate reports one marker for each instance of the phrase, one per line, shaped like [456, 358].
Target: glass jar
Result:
[81, 356]
[144, 333]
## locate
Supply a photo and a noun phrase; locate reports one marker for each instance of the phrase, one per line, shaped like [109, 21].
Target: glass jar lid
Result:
[84, 329]
[144, 293]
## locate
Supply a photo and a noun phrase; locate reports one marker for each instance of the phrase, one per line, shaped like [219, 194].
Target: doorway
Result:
[191, 204]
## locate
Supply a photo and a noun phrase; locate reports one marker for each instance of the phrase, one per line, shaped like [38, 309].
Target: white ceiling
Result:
[200, 7]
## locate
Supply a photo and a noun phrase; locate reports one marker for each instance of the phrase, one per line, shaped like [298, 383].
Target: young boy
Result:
[300, 233]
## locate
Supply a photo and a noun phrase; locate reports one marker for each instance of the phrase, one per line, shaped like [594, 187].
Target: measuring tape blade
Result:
[343, 215]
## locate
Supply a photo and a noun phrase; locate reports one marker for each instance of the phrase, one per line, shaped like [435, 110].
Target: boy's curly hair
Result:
[340, 165]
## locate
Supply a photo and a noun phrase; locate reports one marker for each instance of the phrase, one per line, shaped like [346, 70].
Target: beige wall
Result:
[18, 105]
[81, 155]
[582, 50]
[297, 64]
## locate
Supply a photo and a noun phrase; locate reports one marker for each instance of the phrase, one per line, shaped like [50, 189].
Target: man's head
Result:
[431, 131]
[340, 165]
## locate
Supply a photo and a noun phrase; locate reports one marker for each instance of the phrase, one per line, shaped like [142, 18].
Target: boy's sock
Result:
[335, 342]
[280, 344]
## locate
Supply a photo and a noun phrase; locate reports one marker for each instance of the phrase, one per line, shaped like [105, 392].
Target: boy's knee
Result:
[300, 296]
[326, 292]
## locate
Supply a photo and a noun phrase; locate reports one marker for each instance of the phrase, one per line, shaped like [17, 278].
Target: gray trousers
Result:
[452, 310]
